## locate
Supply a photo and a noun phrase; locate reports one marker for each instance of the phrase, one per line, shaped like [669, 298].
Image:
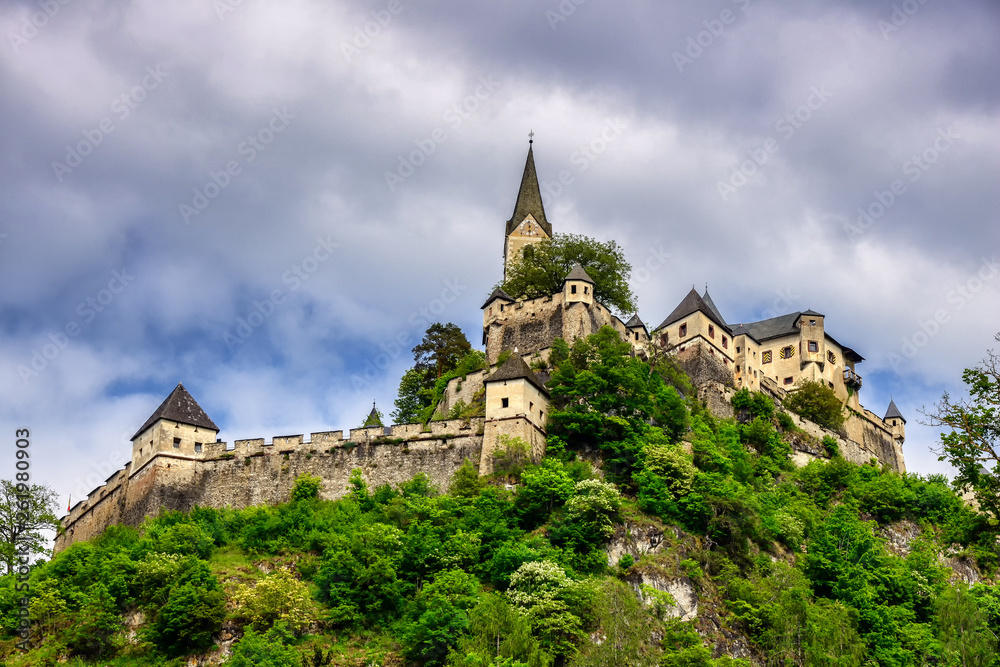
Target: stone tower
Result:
[895, 421]
[527, 224]
[178, 428]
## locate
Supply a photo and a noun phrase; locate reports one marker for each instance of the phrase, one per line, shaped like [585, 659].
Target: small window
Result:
[501, 307]
[541, 415]
[531, 406]
[831, 357]
[737, 349]
[765, 357]
[504, 402]
[788, 380]
[813, 346]
[725, 343]
[572, 289]
[831, 385]
[683, 331]
[812, 323]
[711, 331]
[787, 352]
[585, 289]
[664, 338]
[197, 448]
[177, 443]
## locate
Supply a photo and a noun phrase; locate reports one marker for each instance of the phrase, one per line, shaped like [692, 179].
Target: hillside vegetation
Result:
[554, 563]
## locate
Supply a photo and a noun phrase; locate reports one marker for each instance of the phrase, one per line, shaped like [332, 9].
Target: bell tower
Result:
[528, 224]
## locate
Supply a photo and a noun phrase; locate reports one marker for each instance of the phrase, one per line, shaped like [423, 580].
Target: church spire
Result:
[529, 198]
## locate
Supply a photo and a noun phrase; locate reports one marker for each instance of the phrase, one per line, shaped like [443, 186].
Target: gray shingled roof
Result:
[634, 322]
[515, 369]
[180, 407]
[693, 303]
[579, 273]
[711, 304]
[893, 412]
[529, 199]
[782, 325]
[497, 294]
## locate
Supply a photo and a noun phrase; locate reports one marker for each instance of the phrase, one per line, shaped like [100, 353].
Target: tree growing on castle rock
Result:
[542, 266]
[442, 347]
[817, 403]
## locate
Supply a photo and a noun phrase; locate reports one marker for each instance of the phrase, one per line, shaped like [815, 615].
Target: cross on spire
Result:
[531, 137]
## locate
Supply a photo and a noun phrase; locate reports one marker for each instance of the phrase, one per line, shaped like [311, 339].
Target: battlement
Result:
[106, 504]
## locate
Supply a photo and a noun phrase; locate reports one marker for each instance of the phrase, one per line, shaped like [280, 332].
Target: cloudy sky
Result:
[269, 201]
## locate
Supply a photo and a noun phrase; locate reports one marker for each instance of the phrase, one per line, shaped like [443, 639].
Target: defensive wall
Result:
[255, 472]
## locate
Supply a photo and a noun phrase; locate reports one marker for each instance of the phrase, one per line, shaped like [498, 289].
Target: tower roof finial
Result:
[531, 137]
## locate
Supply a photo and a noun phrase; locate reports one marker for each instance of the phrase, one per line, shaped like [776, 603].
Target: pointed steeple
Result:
[179, 407]
[893, 412]
[711, 304]
[529, 199]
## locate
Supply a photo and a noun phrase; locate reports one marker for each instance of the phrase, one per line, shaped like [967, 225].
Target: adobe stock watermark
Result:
[248, 150]
[583, 157]
[88, 311]
[297, 275]
[696, 44]
[786, 127]
[365, 33]
[656, 259]
[957, 298]
[102, 470]
[223, 7]
[782, 304]
[454, 117]
[419, 320]
[900, 16]
[562, 12]
[914, 168]
[35, 21]
[121, 107]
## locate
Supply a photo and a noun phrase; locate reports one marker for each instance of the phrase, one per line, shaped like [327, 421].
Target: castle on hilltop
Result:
[178, 460]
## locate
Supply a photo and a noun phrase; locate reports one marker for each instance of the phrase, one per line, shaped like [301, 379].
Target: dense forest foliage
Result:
[831, 563]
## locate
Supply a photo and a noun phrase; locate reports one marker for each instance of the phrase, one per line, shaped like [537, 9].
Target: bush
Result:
[306, 487]
[817, 403]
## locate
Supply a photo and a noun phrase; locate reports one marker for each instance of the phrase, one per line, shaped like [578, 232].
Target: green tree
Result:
[270, 649]
[277, 597]
[442, 347]
[541, 268]
[818, 403]
[973, 445]
[193, 613]
[306, 487]
[498, 636]
[412, 399]
[25, 511]
[374, 418]
[439, 616]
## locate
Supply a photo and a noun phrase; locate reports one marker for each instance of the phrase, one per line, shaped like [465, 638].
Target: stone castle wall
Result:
[254, 472]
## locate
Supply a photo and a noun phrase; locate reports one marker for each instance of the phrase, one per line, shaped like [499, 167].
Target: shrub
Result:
[306, 487]
[277, 597]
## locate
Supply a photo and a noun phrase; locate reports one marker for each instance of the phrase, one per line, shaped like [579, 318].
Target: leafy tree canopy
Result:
[442, 347]
[541, 268]
[973, 445]
[25, 511]
[817, 403]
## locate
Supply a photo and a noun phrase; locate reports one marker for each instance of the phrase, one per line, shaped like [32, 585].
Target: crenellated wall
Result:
[256, 472]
